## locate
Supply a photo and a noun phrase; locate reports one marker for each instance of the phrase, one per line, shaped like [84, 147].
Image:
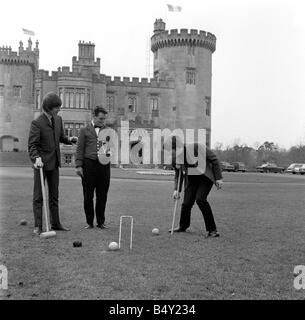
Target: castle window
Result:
[17, 91]
[77, 127]
[154, 103]
[69, 97]
[1, 90]
[110, 102]
[68, 158]
[79, 98]
[88, 99]
[73, 97]
[38, 95]
[190, 76]
[208, 106]
[82, 99]
[132, 104]
[68, 127]
[191, 50]
[61, 94]
[72, 129]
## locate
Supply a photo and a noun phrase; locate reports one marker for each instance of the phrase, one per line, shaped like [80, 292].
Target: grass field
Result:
[260, 217]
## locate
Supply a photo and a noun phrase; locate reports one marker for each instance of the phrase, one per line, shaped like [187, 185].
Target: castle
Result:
[178, 96]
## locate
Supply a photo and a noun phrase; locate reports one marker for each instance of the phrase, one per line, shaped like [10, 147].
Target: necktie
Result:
[53, 125]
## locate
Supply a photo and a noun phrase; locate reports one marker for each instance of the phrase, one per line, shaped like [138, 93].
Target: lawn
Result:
[260, 217]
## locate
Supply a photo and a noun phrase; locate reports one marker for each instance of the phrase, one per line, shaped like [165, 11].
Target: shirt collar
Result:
[102, 127]
[48, 116]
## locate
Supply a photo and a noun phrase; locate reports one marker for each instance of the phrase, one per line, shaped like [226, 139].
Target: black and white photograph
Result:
[152, 150]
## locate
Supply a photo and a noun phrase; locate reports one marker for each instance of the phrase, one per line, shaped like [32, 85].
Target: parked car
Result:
[226, 166]
[302, 169]
[270, 167]
[239, 166]
[293, 168]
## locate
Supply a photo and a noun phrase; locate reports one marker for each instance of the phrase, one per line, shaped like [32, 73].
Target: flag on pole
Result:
[28, 32]
[173, 8]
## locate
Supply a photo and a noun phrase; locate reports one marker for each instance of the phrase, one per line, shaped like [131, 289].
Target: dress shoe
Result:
[89, 226]
[212, 234]
[101, 226]
[60, 228]
[37, 231]
[178, 229]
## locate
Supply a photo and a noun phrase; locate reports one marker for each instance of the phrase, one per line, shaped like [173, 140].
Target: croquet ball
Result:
[23, 222]
[155, 231]
[113, 246]
[77, 244]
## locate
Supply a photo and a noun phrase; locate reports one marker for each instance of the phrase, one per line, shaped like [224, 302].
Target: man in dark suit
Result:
[46, 133]
[95, 174]
[199, 177]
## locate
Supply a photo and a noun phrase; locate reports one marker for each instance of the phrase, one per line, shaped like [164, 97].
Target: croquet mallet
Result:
[48, 233]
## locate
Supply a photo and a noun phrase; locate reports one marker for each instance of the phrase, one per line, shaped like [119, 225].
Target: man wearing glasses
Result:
[95, 175]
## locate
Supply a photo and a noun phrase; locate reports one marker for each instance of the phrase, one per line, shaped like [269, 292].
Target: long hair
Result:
[50, 101]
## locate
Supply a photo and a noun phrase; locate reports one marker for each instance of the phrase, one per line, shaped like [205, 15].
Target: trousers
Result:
[96, 179]
[52, 177]
[197, 189]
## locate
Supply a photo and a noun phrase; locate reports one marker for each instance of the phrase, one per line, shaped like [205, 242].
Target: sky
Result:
[258, 69]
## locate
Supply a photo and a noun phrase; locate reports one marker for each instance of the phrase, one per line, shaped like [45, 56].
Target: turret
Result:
[86, 57]
[185, 56]
[29, 48]
[20, 46]
[18, 95]
[86, 50]
[159, 26]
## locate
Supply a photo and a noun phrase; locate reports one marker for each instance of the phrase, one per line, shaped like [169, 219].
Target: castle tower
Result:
[185, 56]
[86, 53]
[17, 74]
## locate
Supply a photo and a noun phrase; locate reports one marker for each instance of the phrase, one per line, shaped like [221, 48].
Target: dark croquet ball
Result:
[23, 222]
[77, 244]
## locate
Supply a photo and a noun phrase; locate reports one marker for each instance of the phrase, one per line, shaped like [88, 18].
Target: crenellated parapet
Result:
[184, 37]
[44, 75]
[86, 62]
[5, 50]
[7, 56]
[139, 82]
[26, 56]
[65, 72]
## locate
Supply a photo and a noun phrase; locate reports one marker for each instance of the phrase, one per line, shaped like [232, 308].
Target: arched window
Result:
[132, 104]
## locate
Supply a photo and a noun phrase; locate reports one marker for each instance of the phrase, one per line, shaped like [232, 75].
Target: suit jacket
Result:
[212, 168]
[87, 145]
[44, 141]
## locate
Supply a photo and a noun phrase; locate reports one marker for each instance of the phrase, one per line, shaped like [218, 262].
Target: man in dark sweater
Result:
[95, 175]
[199, 178]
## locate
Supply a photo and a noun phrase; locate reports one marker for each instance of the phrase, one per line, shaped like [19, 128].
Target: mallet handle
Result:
[176, 202]
[44, 199]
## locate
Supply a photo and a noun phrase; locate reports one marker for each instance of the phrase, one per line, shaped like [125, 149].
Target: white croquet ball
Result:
[113, 246]
[155, 231]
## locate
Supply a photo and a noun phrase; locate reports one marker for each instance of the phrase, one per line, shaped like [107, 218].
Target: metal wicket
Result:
[131, 230]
